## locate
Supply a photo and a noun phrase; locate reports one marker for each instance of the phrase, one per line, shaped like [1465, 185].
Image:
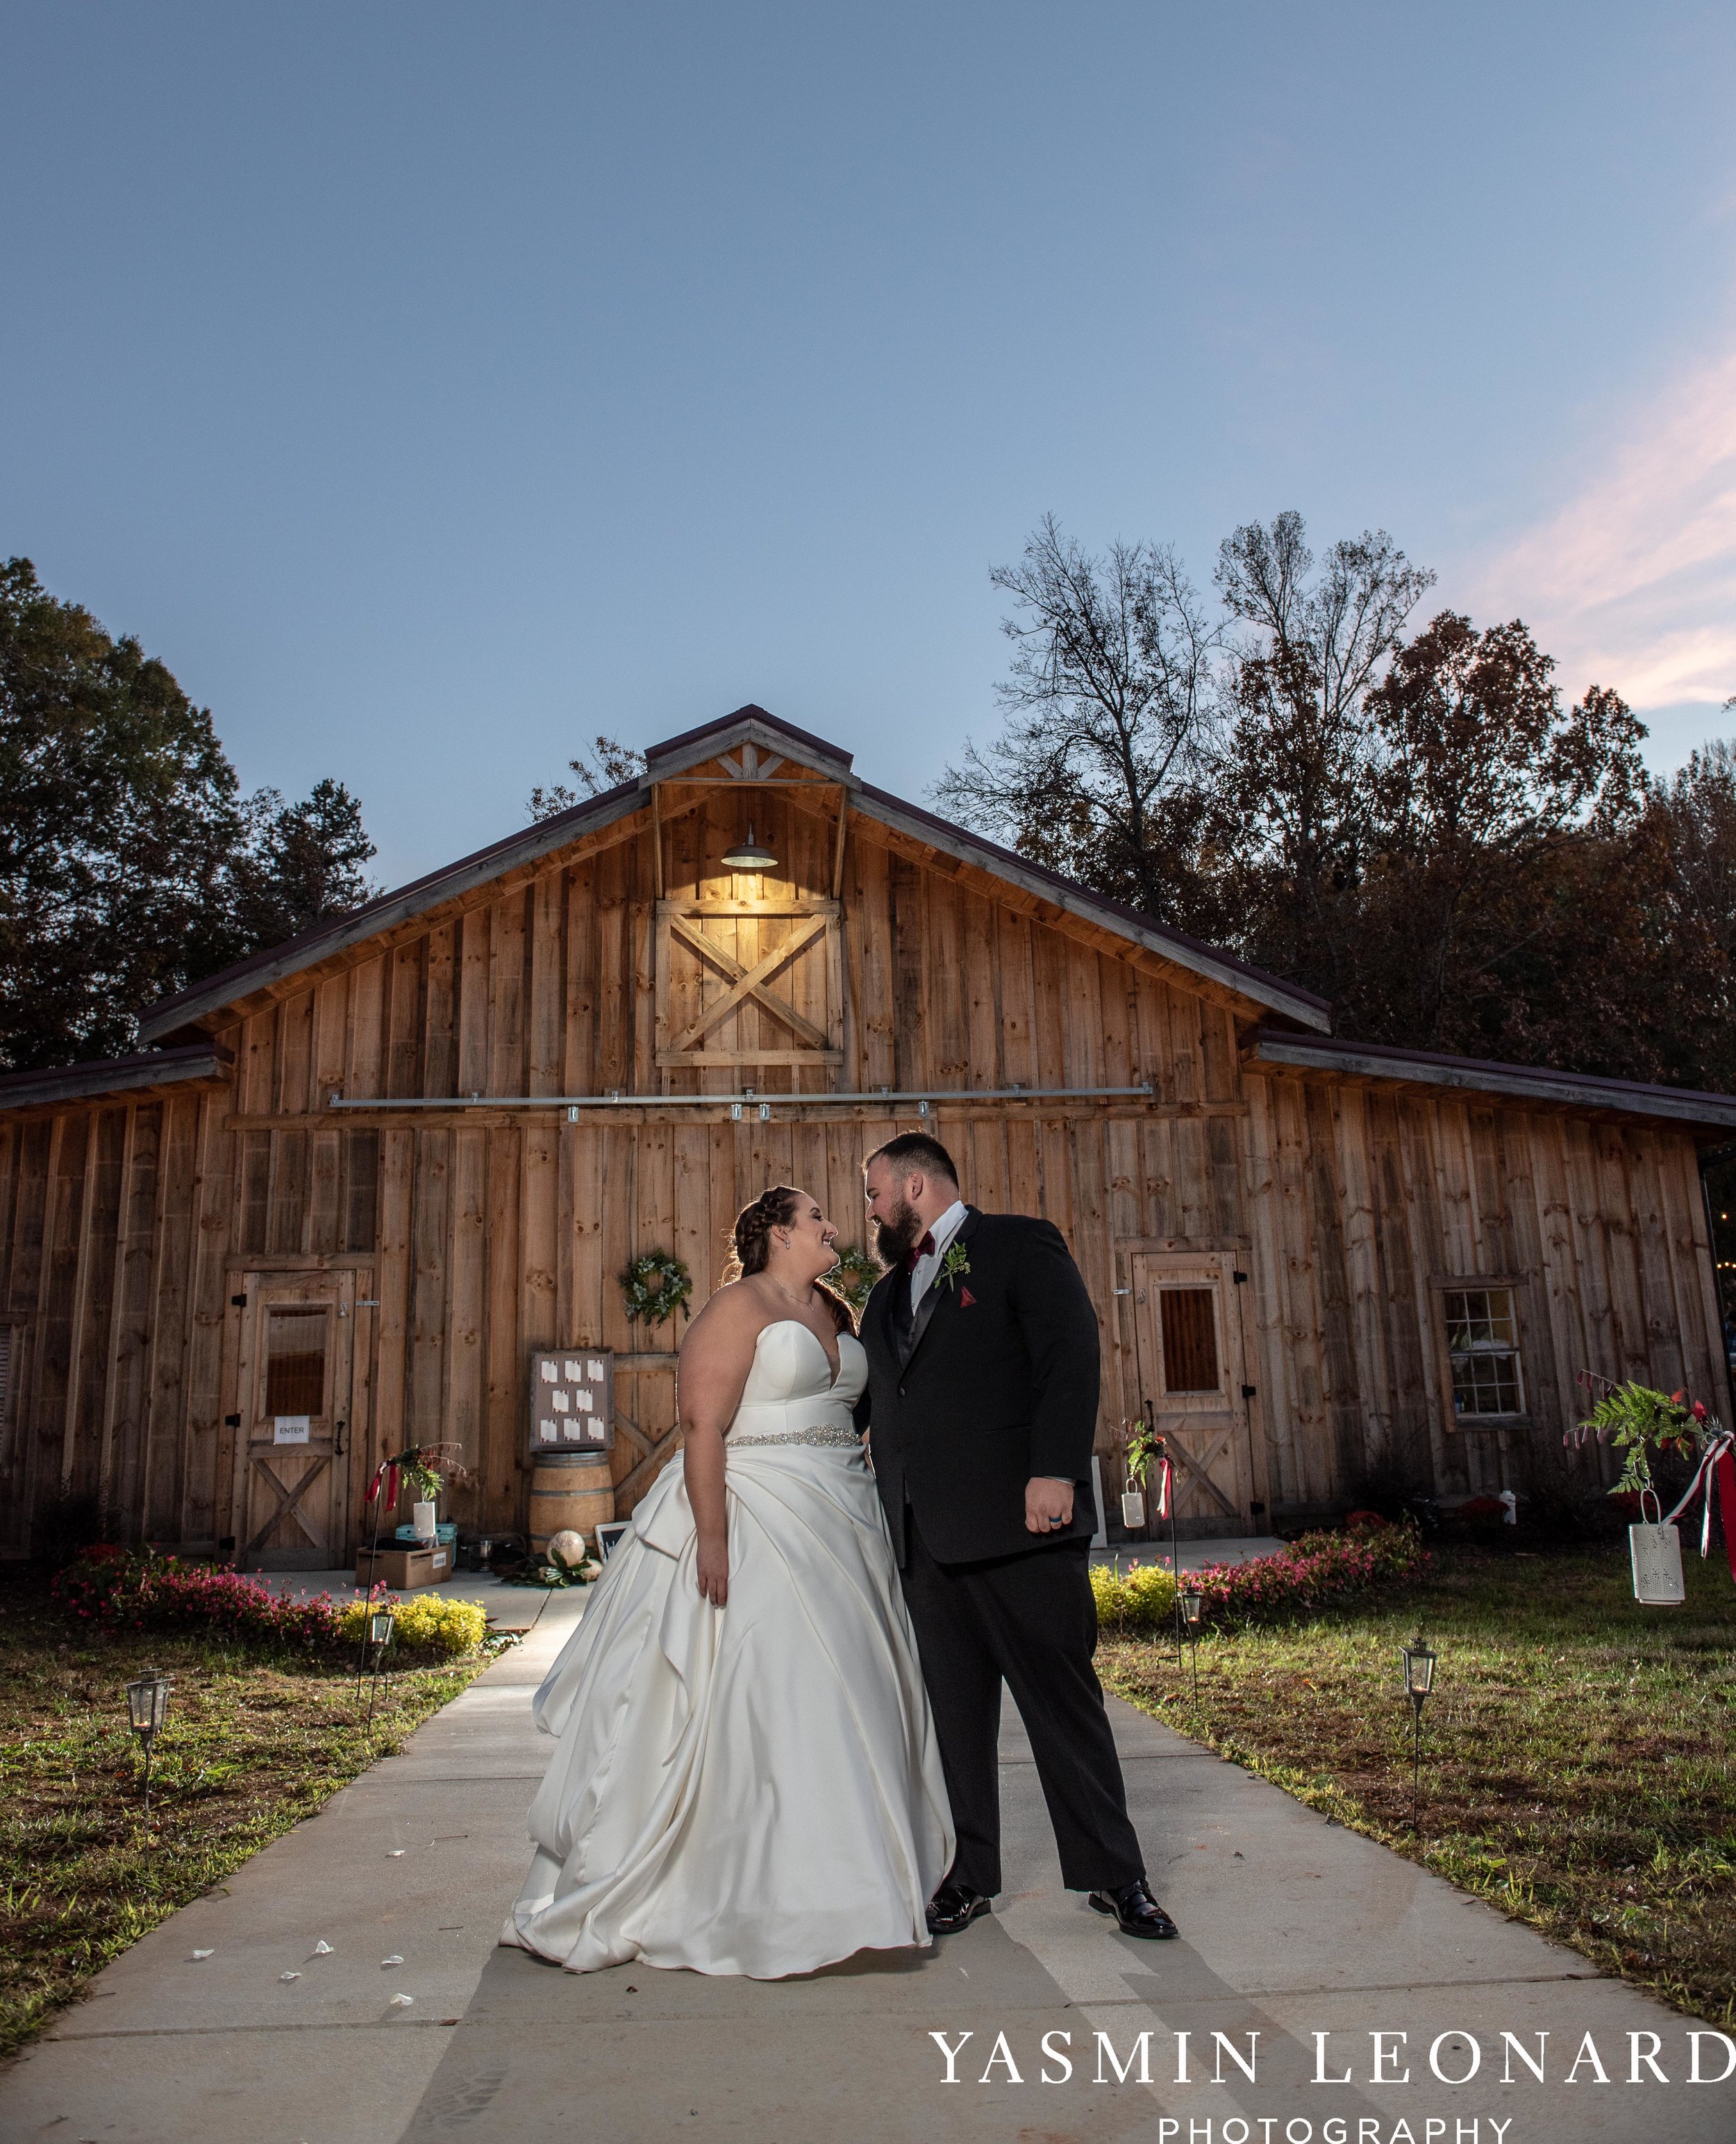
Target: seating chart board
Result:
[572, 1400]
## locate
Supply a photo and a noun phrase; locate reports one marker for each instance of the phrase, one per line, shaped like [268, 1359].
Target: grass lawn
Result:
[1576, 1766]
[251, 1747]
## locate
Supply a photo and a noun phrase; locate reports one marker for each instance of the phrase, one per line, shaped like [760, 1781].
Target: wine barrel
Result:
[569, 1489]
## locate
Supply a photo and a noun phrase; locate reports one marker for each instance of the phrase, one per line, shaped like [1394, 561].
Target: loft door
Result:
[1192, 1375]
[294, 1366]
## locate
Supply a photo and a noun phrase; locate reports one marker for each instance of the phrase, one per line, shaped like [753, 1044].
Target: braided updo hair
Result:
[750, 1245]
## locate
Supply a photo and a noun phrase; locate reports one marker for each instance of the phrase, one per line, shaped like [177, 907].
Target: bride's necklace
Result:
[802, 1302]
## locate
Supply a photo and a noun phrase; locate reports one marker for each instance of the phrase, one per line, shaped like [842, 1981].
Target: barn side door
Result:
[295, 1376]
[1191, 1375]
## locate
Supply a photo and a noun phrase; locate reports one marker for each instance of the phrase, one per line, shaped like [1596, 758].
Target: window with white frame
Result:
[1482, 1345]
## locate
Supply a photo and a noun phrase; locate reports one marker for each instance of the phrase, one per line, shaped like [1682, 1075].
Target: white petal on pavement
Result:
[396, 1854]
[322, 1948]
[202, 1953]
[395, 1959]
[402, 2002]
[289, 1976]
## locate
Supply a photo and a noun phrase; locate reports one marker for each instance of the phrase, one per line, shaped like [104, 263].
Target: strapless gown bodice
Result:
[792, 1389]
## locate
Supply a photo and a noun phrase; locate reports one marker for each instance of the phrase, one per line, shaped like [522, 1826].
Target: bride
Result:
[746, 1779]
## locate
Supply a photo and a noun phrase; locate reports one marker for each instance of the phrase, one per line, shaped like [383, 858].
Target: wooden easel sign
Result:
[572, 1400]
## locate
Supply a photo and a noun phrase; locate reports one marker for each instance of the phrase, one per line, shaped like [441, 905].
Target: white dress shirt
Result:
[922, 1273]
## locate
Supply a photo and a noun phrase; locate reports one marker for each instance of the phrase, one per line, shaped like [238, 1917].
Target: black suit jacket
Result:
[1001, 1383]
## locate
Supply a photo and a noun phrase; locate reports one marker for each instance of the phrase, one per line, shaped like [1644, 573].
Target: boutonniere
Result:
[953, 1267]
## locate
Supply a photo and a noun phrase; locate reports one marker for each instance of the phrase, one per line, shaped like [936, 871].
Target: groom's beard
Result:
[893, 1238]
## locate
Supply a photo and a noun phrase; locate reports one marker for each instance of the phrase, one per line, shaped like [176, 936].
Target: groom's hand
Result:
[1045, 1501]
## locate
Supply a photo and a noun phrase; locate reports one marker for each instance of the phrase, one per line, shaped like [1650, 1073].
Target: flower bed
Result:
[141, 1591]
[1313, 1573]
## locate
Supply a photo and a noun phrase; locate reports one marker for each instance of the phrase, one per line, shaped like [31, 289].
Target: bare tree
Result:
[605, 765]
[1109, 709]
[1303, 749]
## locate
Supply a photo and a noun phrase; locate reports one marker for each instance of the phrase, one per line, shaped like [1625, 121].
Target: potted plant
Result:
[1640, 1422]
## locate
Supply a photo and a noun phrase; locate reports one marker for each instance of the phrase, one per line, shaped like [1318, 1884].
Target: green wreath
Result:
[654, 1287]
[854, 1276]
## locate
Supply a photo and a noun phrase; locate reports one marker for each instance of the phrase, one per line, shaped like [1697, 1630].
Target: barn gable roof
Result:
[749, 726]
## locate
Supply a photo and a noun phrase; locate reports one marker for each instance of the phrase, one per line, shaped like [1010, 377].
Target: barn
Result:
[363, 1181]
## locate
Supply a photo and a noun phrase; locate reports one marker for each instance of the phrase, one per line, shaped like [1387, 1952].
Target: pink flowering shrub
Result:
[123, 1590]
[139, 1591]
[1311, 1574]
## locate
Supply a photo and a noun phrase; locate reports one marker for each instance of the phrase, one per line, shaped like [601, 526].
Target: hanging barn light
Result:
[749, 856]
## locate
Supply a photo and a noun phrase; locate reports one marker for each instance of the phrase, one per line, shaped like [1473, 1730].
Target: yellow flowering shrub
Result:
[424, 1623]
[1140, 1599]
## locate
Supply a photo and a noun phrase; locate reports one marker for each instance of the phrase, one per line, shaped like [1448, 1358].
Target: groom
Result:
[982, 1401]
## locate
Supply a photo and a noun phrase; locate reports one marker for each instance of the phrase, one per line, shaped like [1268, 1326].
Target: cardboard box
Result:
[404, 1569]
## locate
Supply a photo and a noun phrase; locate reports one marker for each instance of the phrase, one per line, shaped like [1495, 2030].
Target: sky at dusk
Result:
[432, 387]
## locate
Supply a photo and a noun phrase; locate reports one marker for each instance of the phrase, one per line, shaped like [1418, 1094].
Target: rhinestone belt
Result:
[815, 1436]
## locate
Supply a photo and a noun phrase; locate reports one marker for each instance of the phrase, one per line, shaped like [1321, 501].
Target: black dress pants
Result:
[1031, 1622]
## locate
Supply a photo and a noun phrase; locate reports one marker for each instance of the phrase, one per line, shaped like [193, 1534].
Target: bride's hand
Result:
[713, 1572]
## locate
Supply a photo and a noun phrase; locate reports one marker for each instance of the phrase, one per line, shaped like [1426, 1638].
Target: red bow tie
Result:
[925, 1249]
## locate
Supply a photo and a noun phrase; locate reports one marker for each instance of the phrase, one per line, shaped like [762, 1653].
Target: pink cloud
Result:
[1632, 583]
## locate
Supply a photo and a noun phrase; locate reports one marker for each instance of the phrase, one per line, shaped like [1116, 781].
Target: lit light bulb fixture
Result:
[748, 856]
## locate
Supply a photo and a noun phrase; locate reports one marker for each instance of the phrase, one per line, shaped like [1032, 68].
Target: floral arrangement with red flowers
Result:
[1638, 1422]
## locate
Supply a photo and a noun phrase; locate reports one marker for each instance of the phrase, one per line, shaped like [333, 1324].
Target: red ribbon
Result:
[1717, 1464]
[1164, 1490]
[387, 1473]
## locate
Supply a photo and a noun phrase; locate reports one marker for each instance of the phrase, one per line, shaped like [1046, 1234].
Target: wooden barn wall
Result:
[481, 1235]
[113, 1278]
[1363, 1202]
[497, 1234]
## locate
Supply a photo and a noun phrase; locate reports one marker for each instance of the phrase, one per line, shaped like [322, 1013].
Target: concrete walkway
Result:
[1291, 1926]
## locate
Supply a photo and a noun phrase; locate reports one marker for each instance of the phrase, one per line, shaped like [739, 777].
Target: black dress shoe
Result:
[1136, 1911]
[953, 1906]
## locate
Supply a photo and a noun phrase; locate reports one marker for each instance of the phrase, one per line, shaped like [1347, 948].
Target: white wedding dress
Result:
[754, 1789]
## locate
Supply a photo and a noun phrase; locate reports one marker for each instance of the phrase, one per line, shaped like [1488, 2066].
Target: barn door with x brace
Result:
[742, 984]
[1191, 1374]
[294, 1366]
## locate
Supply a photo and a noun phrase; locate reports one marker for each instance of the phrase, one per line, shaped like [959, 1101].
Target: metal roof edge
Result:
[694, 746]
[1689, 1105]
[115, 1076]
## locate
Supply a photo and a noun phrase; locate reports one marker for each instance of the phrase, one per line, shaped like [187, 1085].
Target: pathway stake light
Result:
[1192, 1602]
[381, 1624]
[1419, 1681]
[147, 1707]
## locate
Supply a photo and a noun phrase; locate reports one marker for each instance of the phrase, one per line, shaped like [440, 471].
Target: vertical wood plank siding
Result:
[128, 1226]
